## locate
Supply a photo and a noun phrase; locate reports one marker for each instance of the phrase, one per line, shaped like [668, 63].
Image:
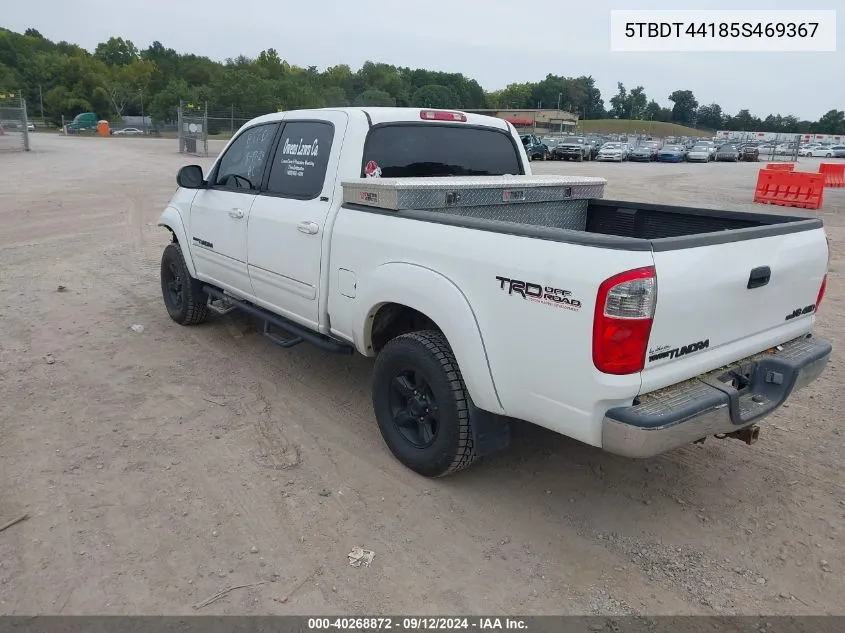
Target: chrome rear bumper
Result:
[722, 401]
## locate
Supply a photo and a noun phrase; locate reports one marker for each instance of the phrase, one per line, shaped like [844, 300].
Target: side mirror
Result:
[190, 177]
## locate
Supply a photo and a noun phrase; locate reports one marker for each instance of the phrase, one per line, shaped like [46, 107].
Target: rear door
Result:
[723, 302]
[287, 222]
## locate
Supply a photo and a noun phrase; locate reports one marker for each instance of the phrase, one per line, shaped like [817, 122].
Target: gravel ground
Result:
[162, 466]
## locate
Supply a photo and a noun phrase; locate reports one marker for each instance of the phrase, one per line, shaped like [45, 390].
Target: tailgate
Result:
[723, 302]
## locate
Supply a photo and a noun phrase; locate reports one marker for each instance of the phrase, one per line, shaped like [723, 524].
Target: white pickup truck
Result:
[486, 294]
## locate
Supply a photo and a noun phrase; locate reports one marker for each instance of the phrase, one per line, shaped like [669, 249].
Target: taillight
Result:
[821, 292]
[823, 287]
[442, 115]
[622, 323]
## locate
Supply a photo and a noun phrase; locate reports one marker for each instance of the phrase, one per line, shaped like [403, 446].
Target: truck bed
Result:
[565, 209]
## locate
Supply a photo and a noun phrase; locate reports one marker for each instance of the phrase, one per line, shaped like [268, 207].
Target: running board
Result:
[296, 334]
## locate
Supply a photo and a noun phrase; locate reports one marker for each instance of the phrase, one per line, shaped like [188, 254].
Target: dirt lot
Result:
[163, 466]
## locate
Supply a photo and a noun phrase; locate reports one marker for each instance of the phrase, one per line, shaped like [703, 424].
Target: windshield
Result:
[425, 150]
[612, 146]
[700, 148]
[671, 148]
[580, 141]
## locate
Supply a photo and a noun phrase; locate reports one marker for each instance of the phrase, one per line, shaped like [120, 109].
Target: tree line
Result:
[119, 79]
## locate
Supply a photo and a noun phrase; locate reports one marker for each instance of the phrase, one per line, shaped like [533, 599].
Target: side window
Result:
[242, 166]
[302, 156]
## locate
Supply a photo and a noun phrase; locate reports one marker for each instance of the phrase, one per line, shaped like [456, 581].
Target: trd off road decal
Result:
[801, 312]
[665, 351]
[549, 295]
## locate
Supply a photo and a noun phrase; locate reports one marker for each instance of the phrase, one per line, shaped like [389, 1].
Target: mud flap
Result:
[491, 433]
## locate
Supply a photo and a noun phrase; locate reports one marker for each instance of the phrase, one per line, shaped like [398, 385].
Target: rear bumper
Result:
[723, 401]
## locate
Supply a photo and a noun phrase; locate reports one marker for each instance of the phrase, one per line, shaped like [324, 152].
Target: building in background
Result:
[536, 121]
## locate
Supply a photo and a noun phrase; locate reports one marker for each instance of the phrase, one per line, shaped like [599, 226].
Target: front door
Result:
[220, 213]
[288, 219]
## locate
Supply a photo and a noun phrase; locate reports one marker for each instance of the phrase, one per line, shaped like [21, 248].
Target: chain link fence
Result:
[192, 124]
[217, 121]
[14, 132]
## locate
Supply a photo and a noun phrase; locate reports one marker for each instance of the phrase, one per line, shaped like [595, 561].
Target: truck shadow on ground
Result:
[542, 472]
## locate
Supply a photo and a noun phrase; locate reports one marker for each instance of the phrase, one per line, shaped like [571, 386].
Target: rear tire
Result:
[422, 405]
[184, 299]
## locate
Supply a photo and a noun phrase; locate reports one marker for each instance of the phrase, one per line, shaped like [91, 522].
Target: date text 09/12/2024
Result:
[416, 623]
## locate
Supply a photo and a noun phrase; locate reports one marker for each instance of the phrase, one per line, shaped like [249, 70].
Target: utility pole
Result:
[143, 119]
[41, 101]
[559, 95]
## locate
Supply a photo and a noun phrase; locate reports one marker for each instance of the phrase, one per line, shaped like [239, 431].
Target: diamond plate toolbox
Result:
[399, 194]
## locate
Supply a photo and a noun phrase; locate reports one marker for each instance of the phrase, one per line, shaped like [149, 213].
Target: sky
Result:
[496, 42]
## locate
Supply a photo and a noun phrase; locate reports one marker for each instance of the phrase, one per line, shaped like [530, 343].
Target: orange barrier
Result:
[790, 189]
[834, 174]
[781, 166]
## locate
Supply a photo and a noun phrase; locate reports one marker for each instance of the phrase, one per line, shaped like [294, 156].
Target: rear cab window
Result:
[403, 150]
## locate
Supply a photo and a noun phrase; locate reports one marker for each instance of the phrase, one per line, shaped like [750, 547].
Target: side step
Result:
[295, 333]
[221, 306]
[279, 340]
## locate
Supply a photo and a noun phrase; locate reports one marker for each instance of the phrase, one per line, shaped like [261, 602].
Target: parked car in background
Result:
[572, 148]
[594, 143]
[699, 154]
[30, 126]
[671, 154]
[535, 149]
[749, 153]
[838, 151]
[611, 152]
[710, 145]
[128, 131]
[727, 153]
[642, 154]
[655, 148]
[819, 151]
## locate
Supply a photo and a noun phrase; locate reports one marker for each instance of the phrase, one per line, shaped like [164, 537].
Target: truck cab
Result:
[83, 121]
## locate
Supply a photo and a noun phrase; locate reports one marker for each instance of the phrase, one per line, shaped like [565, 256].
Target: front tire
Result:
[422, 405]
[184, 299]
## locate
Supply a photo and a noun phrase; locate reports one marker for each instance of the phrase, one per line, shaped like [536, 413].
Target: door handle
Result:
[308, 227]
[236, 213]
[759, 277]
